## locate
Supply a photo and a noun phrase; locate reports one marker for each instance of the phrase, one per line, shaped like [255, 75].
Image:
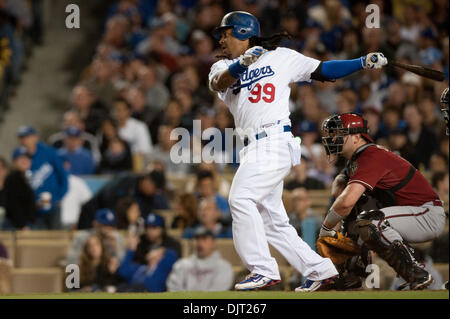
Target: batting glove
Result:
[375, 60]
[327, 232]
[251, 55]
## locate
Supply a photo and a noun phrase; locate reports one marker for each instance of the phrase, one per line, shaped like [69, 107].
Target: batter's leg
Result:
[284, 238]
[249, 238]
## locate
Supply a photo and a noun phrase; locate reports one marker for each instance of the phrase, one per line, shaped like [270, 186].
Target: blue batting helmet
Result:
[244, 25]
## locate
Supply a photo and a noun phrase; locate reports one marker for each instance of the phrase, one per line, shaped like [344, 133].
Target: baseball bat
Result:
[419, 70]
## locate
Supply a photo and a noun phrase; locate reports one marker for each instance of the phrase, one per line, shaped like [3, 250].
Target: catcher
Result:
[405, 210]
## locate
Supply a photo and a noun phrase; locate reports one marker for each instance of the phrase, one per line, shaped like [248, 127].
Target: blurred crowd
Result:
[149, 76]
[20, 29]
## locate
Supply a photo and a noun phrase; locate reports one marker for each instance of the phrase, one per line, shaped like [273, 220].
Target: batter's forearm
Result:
[222, 81]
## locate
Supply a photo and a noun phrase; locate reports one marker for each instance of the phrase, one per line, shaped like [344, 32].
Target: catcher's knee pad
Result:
[368, 232]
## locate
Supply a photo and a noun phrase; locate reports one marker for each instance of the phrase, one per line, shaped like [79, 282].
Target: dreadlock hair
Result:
[270, 42]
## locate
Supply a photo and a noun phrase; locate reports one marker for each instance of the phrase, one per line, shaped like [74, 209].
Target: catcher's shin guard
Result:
[397, 255]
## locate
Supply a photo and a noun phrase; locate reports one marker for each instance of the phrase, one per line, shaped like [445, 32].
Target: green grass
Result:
[427, 294]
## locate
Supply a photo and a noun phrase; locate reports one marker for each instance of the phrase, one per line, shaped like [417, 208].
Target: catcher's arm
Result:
[341, 208]
[338, 185]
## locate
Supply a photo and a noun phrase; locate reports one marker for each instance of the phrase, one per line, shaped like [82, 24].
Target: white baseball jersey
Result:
[261, 96]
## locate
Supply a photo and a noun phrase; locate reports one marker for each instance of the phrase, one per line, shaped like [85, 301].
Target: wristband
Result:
[363, 61]
[332, 218]
[236, 69]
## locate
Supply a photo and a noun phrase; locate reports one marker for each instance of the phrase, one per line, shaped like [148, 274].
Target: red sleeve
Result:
[368, 169]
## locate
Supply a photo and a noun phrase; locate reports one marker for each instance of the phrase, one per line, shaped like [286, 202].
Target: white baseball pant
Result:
[259, 215]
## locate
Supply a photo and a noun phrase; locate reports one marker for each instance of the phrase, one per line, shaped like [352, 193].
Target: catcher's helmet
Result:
[444, 106]
[335, 127]
[244, 25]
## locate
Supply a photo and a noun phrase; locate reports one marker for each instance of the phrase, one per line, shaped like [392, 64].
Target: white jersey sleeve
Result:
[216, 68]
[298, 66]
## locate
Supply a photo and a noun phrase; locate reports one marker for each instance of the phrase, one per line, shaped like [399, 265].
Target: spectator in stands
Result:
[133, 131]
[3, 251]
[440, 183]
[129, 216]
[5, 271]
[422, 140]
[148, 190]
[116, 152]
[77, 159]
[438, 162]
[439, 250]
[429, 110]
[312, 149]
[72, 118]
[3, 173]
[48, 178]
[156, 94]
[151, 275]
[205, 270]
[90, 108]
[206, 190]
[185, 208]
[301, 178]
[155, 236]
[77, 195]
[209, 217]
[20, 204]
[391, 120]
[97, 267]
[305, 221]
[161, 152]
[220, 182]
[104, 226]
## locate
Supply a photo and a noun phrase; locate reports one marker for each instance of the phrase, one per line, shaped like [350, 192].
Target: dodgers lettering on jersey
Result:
[261, 95]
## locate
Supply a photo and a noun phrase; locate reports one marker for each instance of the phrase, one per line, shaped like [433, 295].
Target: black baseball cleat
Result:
[422, 283]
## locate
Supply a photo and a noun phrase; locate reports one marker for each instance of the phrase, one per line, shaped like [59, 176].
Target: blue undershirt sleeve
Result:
[336, 69]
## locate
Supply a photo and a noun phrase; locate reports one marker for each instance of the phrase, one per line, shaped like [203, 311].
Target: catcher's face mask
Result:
[333, 136]
[336, 127]
[444, 106]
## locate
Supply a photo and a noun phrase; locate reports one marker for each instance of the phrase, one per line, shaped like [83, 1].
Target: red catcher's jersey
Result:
[380, 168]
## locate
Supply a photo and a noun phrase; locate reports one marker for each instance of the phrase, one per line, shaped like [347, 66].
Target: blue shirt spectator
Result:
[47, 176]
[152, 276]
[209, 218]
[77, 159]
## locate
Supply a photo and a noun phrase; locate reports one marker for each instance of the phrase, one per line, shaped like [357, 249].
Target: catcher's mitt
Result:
[339, 249]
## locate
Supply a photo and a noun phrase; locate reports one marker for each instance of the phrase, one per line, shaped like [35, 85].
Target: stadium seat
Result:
[178, 183]
[5, 276]
[226, 249]
[186, 247]
[168, 216]
[44, 234]
[175, 233]
[6, 235]
[40, 253]
[7, 239]
[37, 280]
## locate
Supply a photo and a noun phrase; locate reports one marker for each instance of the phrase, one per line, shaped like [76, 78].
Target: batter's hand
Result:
[251, 55]
[375, 60]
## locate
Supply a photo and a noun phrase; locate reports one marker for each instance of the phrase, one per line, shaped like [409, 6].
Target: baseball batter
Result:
[411, 210]
[253, 80]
